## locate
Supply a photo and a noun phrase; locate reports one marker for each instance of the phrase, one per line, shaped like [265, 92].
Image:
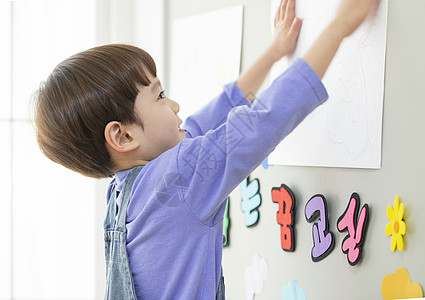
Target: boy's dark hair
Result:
[81, 96]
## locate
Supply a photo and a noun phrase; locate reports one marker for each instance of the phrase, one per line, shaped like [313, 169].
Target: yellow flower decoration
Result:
[397, 227]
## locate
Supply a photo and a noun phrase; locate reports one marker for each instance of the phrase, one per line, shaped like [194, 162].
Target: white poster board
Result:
[346, 131]
[205, 55]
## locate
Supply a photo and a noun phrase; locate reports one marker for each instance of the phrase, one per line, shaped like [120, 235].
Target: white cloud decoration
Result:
[255, 275]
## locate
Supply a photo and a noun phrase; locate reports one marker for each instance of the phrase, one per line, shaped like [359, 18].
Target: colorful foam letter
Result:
[251, 200]
[356, 227]
[323, 239]
[285, 216]
[226, 223]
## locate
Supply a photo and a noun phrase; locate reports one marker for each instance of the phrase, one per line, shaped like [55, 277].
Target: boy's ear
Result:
[119, 137]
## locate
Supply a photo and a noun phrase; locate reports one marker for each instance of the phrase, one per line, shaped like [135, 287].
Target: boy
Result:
[103, 113]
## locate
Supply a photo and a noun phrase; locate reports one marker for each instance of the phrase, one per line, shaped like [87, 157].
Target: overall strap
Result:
[118, 223]
[126, 193]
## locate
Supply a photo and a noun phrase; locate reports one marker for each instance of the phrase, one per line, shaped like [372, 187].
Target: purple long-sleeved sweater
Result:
[174, 219]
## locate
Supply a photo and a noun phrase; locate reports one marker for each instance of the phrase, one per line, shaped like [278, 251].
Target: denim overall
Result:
[119, 281]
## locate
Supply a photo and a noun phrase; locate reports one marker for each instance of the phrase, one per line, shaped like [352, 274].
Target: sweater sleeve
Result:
[215, 112]
[211, 166]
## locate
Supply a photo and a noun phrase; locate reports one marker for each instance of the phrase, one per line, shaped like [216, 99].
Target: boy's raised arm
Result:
[211, 166]
[350, 14]
[286, 30]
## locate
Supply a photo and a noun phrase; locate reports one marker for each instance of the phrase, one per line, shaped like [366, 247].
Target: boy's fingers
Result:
[282, 9]
[290, 11]
[295, 27]
[278, 11]
[275, 20]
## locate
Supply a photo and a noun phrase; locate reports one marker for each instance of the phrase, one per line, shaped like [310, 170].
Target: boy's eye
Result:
[161, 95]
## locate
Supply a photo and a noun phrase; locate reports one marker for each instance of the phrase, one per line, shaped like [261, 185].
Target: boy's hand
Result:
[351, 13]
[286, 30]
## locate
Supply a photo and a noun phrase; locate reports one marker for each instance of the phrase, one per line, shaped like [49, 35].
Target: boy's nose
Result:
[176, 106]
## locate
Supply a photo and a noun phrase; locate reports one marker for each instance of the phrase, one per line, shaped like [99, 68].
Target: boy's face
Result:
[158, 114]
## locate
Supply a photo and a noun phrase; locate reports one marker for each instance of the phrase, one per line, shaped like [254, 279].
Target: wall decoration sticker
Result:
[400, 286]
[356, 225]
[226, 224]
[285, 216]
[397, 227]
[251, 200]
[323, 239]
[265, 163]
[292, 291]
[255, 275]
